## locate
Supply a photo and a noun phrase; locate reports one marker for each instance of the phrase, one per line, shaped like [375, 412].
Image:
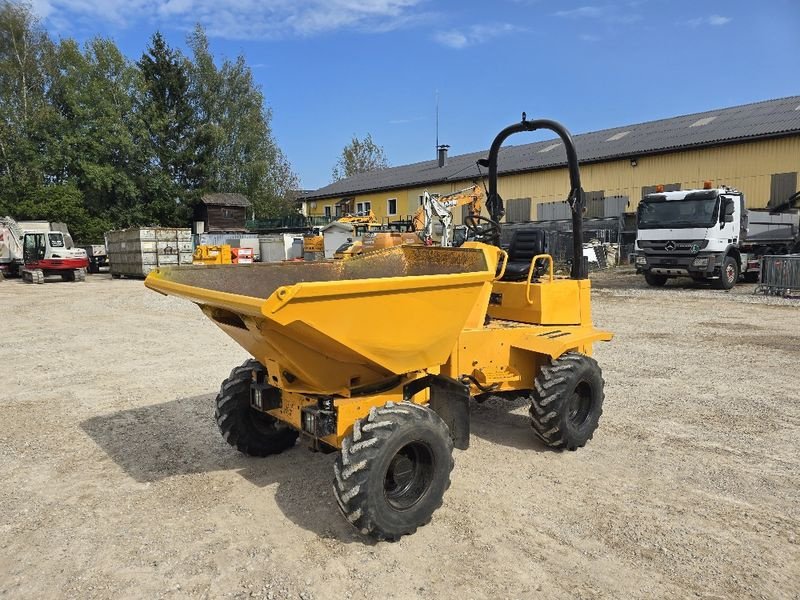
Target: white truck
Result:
[10, 247]
[709, 235]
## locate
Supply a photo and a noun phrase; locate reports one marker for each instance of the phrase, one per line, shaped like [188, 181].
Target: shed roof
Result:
[225, 200]
[770, 118]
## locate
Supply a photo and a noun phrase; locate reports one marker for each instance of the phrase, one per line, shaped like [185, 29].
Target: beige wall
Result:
[745, 166]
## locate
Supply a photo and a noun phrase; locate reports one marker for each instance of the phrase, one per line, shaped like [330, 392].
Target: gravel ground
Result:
[116, 483]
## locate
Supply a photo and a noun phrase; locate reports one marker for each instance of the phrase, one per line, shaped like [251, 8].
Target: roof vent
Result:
[550, 147]
[618, 136]
[703, 121]
[441, 151]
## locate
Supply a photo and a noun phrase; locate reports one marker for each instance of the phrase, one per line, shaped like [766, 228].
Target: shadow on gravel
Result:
[494, 421]
[180, 438]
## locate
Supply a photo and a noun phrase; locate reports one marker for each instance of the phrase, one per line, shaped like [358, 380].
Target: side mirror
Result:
[727, 211]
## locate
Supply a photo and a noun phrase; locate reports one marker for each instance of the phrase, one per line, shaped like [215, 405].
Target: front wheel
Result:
[729, 274]
[249, 431]
[567, 401]
[393, 470]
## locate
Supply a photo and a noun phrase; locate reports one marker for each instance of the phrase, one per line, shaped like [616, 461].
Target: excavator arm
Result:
[442, 207]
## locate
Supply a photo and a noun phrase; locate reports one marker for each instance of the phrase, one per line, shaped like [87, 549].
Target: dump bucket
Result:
[332, 327]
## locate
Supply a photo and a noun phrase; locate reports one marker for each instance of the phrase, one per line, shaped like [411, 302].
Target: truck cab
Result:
[691, 233]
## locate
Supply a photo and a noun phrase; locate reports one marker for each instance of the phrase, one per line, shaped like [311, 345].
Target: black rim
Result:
[409, 475]
[580, 405]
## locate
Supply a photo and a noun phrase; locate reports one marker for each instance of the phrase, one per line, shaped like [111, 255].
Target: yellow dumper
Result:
[394, 405]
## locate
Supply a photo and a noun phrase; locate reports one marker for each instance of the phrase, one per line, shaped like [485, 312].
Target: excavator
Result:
[442, 208]
[52, 253]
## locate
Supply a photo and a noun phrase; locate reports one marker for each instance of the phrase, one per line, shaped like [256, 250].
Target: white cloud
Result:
[714, 20]
[611, 13]
[243, 19]
[403, 121]
[473, 35]
[718, 20]
[590, 12]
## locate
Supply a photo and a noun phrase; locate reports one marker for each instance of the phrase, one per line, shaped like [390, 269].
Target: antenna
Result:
[436, 149]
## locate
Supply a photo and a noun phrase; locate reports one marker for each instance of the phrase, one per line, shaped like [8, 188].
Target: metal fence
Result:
[780, 275]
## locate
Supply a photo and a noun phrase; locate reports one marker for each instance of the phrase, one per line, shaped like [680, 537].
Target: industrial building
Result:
[753, 147]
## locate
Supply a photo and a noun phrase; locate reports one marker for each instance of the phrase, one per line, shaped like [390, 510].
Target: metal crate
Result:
[780, 275]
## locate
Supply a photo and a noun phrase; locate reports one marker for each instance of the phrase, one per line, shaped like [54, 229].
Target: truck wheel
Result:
[393, 470]
[655, 280]
[729, 274]
[249, 431]
[567, 401]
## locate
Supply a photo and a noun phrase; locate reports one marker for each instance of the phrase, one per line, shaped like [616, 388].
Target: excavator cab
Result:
[52, 253]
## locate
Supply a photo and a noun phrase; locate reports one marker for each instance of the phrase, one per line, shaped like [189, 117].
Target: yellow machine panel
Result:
[212, 255]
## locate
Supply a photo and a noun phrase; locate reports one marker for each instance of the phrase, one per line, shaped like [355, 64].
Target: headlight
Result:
[641, 260]
[700, 262]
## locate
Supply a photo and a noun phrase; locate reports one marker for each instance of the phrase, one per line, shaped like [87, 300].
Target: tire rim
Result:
[409, 475]
[730, 273]
[580, 405]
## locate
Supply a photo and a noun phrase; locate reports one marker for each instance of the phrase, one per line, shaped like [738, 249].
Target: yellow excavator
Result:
[442, 207]
[314, 242]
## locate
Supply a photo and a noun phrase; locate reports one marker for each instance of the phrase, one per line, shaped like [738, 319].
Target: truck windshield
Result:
[56, 240]
[657, 214]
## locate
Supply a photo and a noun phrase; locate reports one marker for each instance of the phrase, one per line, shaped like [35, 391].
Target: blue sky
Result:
[333, 68]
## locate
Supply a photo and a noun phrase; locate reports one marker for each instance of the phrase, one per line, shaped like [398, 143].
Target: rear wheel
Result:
[729, 274]
[393, 470]
[655, 280]
[246, 429]
[567, 401]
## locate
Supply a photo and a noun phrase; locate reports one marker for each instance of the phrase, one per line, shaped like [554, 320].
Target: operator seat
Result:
[525, 244]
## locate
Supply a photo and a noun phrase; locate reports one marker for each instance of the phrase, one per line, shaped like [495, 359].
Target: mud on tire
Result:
[249, 431]
[393, 470]
[567, 401]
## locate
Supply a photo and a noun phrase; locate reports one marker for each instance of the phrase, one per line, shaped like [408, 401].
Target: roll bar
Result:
[576, 199]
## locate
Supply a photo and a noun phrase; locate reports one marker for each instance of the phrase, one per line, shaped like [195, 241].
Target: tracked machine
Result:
[394, 407]
[52, 253]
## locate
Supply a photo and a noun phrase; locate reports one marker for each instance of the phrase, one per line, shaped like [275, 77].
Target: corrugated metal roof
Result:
[225, 200]
[770, 118]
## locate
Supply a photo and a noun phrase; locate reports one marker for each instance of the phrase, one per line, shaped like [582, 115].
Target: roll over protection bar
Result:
[576, 198]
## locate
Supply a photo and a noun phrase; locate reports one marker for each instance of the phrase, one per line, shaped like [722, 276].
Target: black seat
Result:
[525, 244]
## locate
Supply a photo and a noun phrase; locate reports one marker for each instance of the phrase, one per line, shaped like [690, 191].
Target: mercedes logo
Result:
[669, 246]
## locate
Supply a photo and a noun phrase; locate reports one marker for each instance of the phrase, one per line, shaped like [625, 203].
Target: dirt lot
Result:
[116, 483]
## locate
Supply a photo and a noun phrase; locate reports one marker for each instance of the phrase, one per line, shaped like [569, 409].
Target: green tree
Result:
[165, 106]
[359, 156]
[236, 151]
[25, 116]
[99, 145]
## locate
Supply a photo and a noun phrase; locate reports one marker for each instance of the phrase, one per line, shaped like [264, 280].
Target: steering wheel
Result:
[483, 233]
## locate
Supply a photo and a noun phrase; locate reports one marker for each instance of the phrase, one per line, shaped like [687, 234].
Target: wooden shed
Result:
[221, 213]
